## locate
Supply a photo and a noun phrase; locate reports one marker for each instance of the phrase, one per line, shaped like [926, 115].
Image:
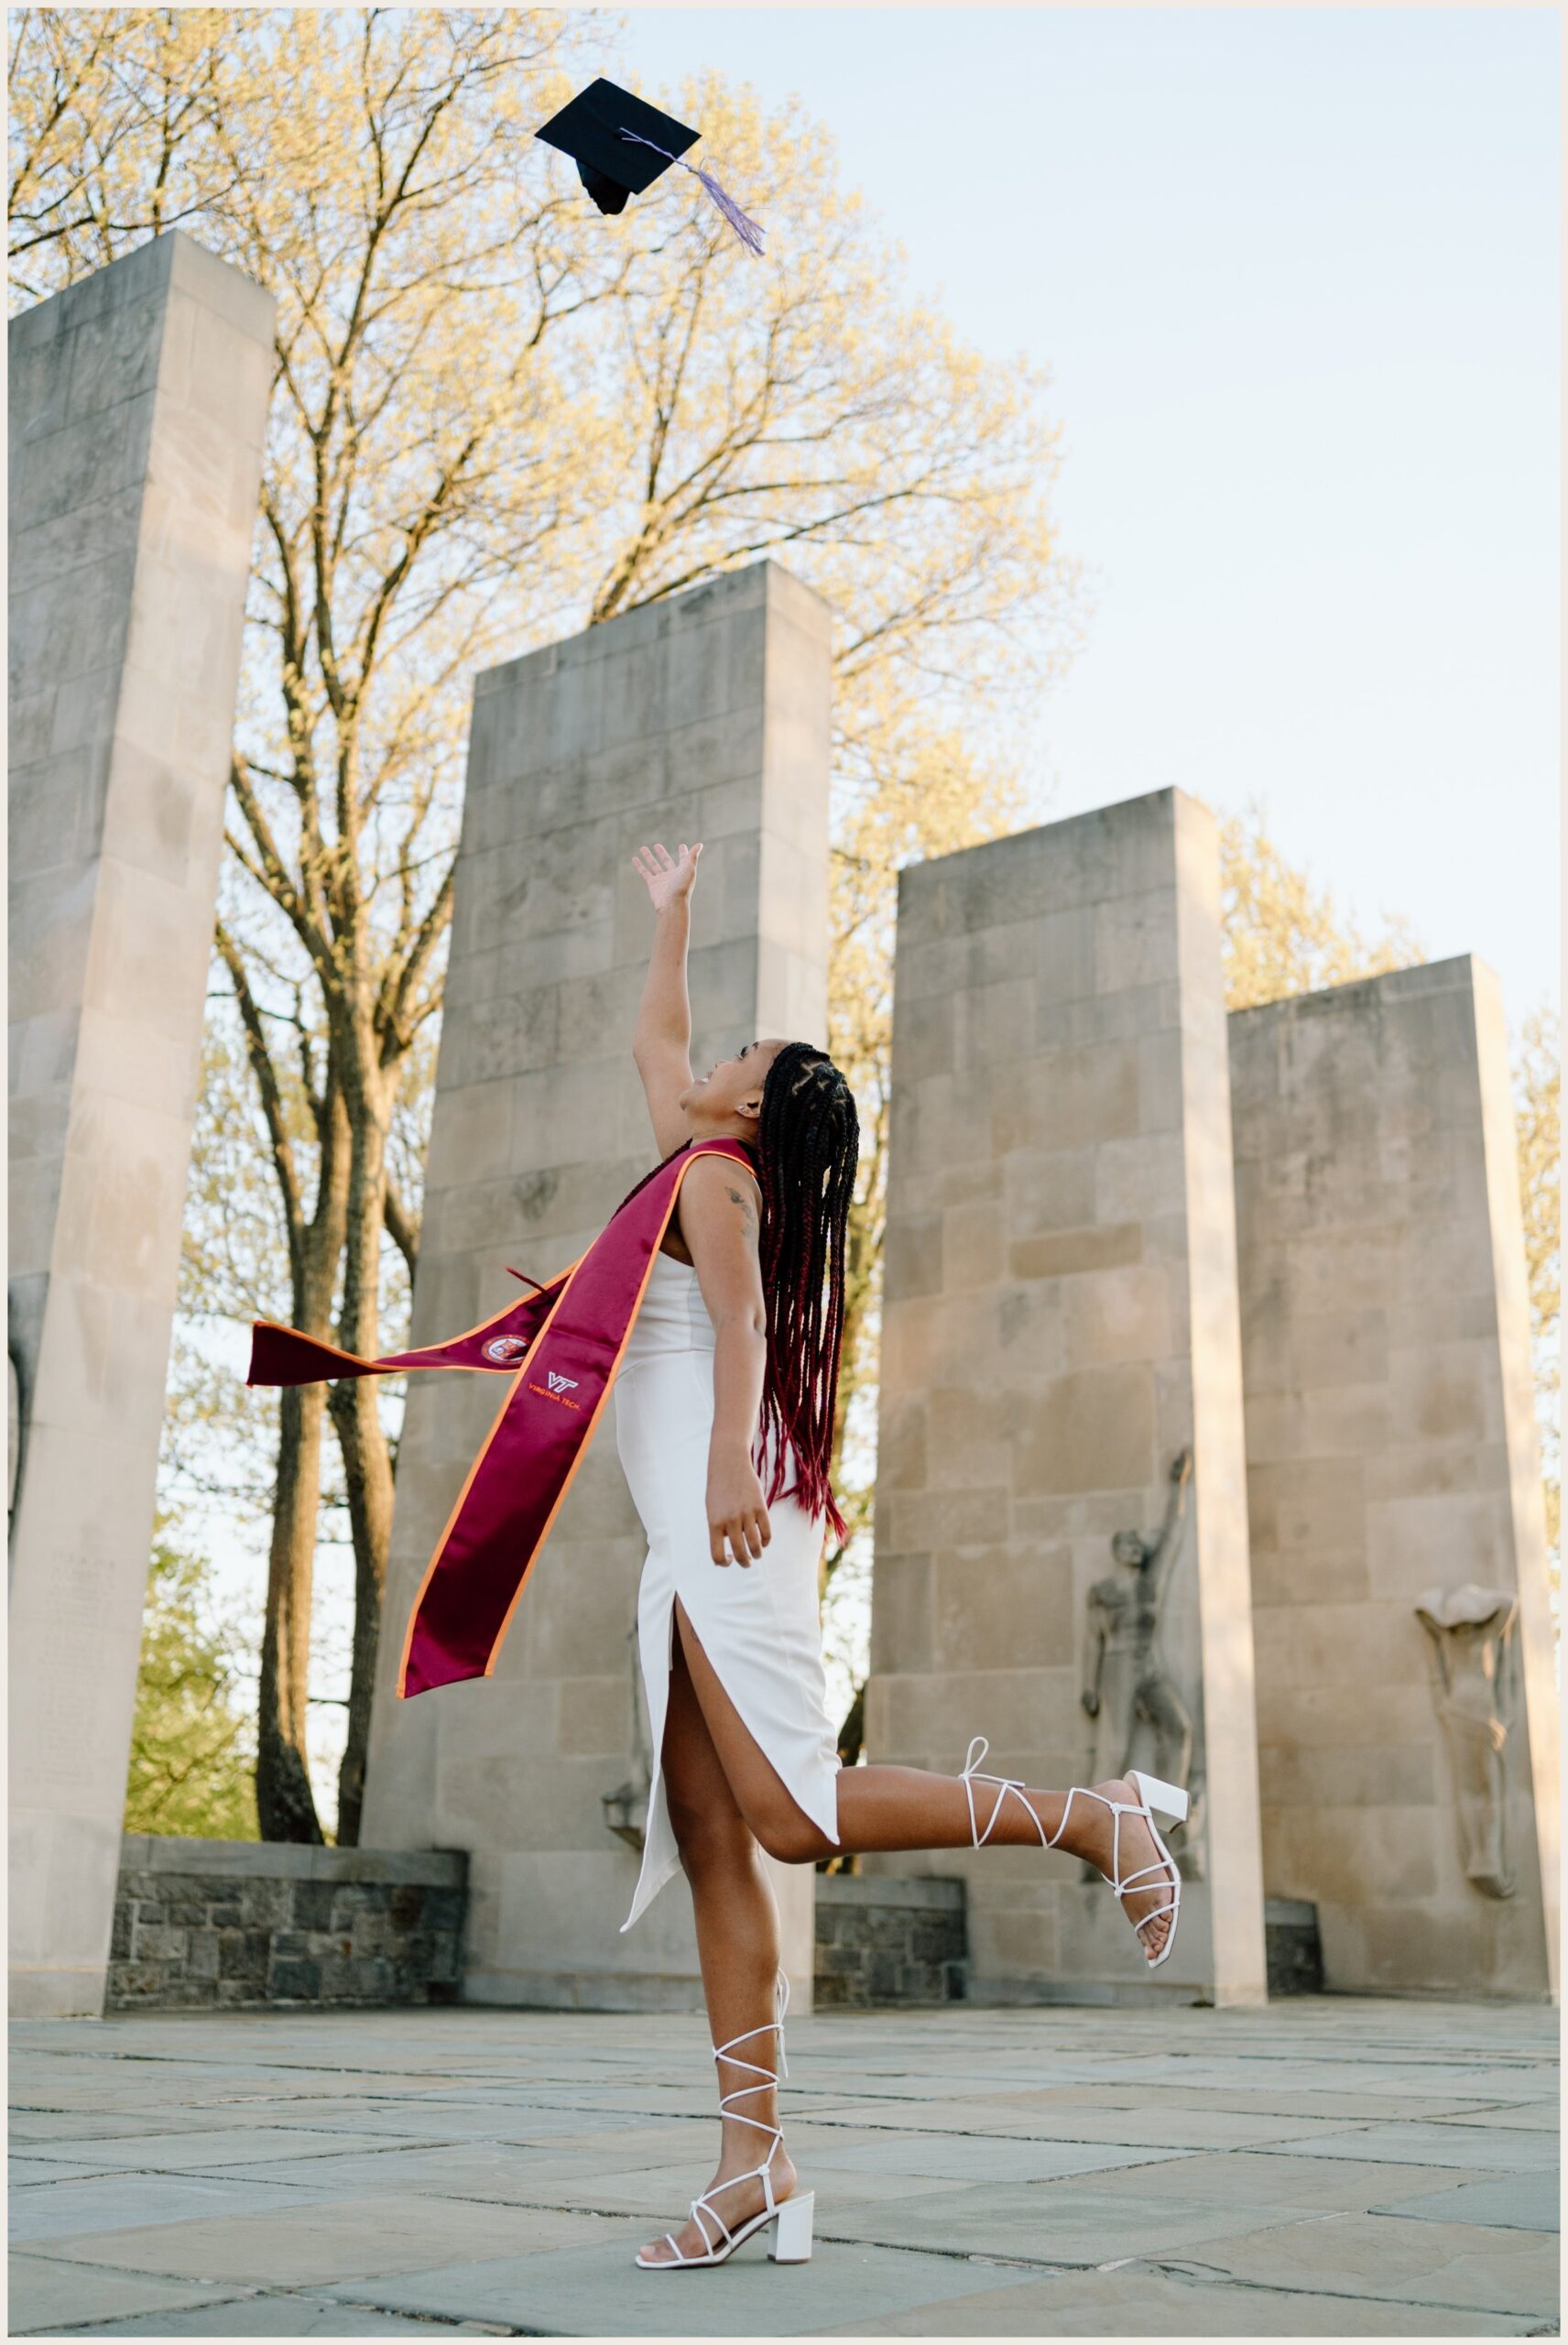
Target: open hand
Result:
[737, 1509]
[667, 881]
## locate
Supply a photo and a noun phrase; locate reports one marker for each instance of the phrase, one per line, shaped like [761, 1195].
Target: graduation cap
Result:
[621, 145]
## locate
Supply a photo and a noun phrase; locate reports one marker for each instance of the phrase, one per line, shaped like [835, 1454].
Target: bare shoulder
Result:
[721, 1222]
[717, 1192]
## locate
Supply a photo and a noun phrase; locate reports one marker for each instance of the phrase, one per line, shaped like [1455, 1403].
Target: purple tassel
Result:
[745, 229]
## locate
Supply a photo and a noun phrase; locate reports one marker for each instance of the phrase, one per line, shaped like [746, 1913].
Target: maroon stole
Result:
[561, 1348]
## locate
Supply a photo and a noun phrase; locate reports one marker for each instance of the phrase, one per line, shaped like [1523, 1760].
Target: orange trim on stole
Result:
[418, 1368]
[479, 1460]
[705, 1149]
[588, 1428]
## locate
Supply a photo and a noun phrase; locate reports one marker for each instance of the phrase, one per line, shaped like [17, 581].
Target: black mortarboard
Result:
[621, 145]
[611, 168]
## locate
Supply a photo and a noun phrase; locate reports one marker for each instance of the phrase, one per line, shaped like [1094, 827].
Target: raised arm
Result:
[661, 1044]
[1170, 1535]
[1094, 1656]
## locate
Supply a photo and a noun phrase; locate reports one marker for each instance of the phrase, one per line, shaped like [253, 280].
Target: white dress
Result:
[761, 1625]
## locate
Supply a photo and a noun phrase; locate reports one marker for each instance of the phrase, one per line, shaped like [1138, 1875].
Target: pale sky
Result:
[1295, 274]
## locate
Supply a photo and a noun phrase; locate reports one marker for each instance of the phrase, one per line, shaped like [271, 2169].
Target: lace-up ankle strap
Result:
[767, 2079]
[780, 2005]
[978, 1746]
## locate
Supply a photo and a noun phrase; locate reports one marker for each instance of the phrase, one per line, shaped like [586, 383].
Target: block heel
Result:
[1165, 1799]
[791, 2240]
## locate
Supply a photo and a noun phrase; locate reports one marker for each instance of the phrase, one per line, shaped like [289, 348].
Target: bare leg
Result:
[907, 1807]
[737, 1942]
[725, 1798]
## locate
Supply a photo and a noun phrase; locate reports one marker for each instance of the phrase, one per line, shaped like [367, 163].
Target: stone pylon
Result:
[137, 409]
[1407, 1709]
[1060, 1326]
[702, 717]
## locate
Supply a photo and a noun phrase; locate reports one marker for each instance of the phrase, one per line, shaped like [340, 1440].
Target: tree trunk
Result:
[367, 1471]
[356, 1416]
[284, 1806]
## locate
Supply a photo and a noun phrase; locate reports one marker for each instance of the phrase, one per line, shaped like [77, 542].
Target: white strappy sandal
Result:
[1168, 1798]
[791, 2217]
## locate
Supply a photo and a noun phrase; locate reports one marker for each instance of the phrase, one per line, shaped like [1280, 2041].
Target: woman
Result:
[735, 1326]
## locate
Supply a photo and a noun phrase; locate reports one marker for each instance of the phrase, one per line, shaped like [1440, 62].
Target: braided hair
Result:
[805, 1156]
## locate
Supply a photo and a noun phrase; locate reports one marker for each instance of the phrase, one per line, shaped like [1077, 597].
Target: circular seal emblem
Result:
[505, 1350]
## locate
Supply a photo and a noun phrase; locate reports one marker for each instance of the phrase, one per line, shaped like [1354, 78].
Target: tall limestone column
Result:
[1407, 1710]
[1059, 1325]
[137, 412]
[702, 717]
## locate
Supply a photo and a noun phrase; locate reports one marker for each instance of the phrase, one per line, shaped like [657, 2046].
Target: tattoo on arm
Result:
[740, 1197]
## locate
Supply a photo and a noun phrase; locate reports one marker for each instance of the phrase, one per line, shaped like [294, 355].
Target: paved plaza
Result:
[1327, 2167]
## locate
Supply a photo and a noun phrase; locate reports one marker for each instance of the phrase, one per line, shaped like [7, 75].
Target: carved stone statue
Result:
[13, 1433]
[1128, 1685]
[1471, 1654]
[625, 1810]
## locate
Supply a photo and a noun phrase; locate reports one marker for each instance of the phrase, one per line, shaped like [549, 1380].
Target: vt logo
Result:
[556, 1388]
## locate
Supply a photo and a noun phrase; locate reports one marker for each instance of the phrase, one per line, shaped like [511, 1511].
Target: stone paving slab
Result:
[194, 2153]
[301, 2243]
[502, 2172]
[975, 2159]
[1327, 2167]
[451, 2122]
[1143, 2304]
[1062, 2223]
[584, 2294]
[46, 2294]
[1161, 2125]
[1521, 2202]
[1526, 2117]
[686, 2138]
[22, 2173]
[293, 2314]
[951, 2119]
[88, 2087]
[646, 2193]
[102, 2204]
[1327, 2110]
[1459, 2265]
[1501, 2150]
[1272, 2178]
[28, 2127]
[1381, 2094]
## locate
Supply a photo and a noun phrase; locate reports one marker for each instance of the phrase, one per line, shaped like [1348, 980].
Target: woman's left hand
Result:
[736, 1512]
[668, 881]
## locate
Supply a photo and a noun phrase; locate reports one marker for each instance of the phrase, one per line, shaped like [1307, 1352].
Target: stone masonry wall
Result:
[226, 1923]
[880, 1941]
